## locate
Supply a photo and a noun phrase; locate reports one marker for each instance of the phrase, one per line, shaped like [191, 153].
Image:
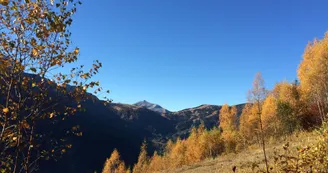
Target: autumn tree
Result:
[200, 145]
[256, 97]
[271, 122]
[143, 160]
[228, 124]
[192, 151]
[291, 109]
[228, 118]
[249, 125]
[156, 163]
[313, 75]
[114, 164]
[244, 125]
[177, 154]
[215, 143]
[37, 90]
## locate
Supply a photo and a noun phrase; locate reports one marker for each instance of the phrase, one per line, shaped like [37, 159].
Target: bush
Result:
[312, 158]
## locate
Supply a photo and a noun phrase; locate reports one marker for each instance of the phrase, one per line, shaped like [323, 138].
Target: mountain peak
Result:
[152, 106]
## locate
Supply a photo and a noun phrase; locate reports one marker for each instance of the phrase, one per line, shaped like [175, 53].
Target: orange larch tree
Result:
[257, 96]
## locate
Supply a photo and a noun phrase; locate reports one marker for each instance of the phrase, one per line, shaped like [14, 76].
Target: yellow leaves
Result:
[4, 2]
[228, 118]
[25, 125]
[85, 75]
[74, 128]
[51, 115]
[114, 164]
[313, 74]
[202, 144]
[141, 165]
[35, 52]
[33, 42]
[79, 134]
[76, 51]
[5, 110]
[22, 67]
[69, 146]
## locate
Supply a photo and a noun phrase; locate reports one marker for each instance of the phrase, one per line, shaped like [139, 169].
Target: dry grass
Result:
[247, 161]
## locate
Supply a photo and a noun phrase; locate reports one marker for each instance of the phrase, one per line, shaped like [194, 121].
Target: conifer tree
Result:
[228, 124]
[228, 118]
[156, 163]
[177, 154]
[269, 116]
[244, 126]
[143, 161]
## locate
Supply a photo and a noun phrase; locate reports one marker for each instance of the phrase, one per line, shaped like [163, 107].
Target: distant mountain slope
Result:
[144, 118]
[152, 106]
[188, 118]
[104, 128]
[121, 126]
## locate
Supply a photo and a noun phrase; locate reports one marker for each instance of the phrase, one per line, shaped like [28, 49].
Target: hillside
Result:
[250, 160]
[193, 117]
[124, 127]
[121, 126]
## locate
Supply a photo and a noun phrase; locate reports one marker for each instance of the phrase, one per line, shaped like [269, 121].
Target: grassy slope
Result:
[250, 160]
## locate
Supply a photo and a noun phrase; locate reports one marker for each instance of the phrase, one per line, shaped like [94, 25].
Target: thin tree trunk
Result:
[17, 151]
[29, 149]
[320, 111]
[263, 146]
[262, 136]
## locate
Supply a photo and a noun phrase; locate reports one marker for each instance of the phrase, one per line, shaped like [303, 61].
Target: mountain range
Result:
[124, 127]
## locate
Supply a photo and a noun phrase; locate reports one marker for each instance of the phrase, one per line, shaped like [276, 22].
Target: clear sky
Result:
[184, 53]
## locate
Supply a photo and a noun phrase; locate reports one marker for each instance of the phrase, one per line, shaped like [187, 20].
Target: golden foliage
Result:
[156, 163]
[269, 117]
[228, 124]
[313, 75]
[228, 118]
[142, 163]
[200, 145]
[114, 164]
[312, 158]
[249, 124]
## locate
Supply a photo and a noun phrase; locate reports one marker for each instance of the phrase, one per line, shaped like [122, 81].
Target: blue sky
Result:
[184, 53]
